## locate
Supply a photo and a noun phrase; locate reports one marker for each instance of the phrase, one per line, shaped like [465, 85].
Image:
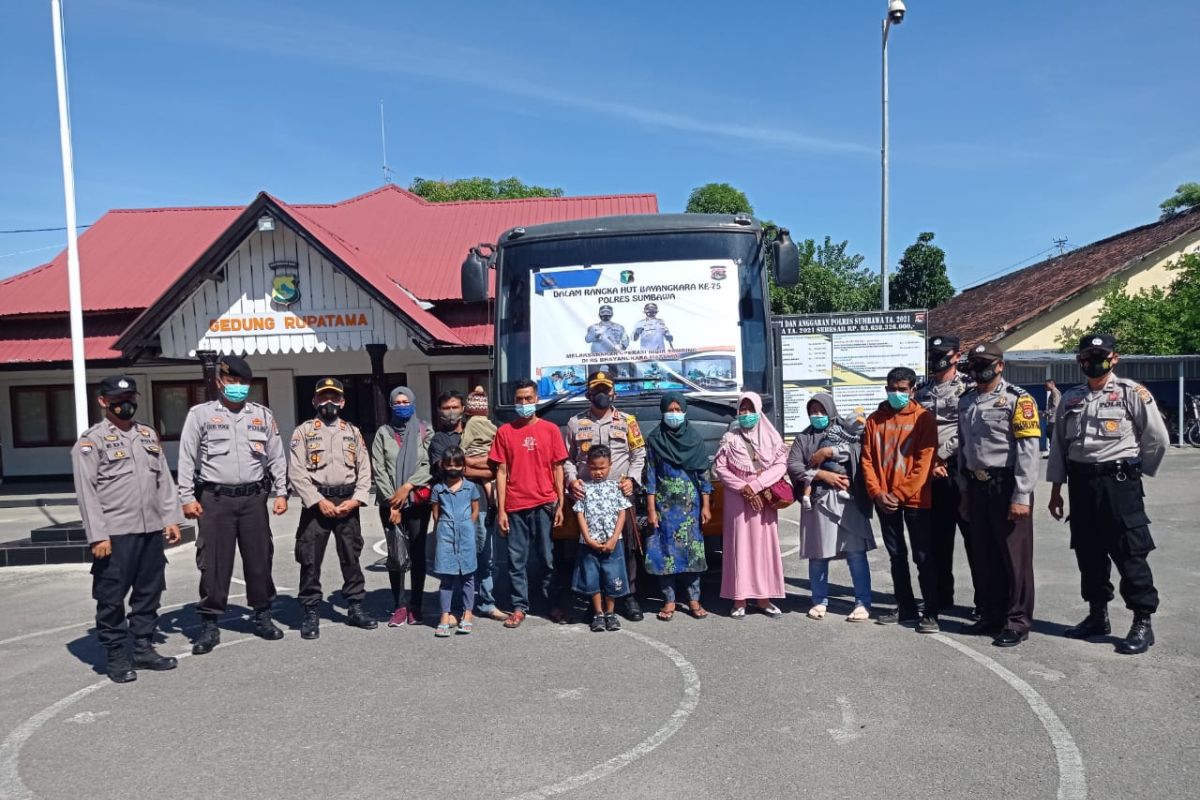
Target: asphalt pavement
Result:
[715, 708]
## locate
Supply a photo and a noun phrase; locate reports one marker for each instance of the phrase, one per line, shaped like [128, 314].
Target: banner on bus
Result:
[847, 355]
[655, 325]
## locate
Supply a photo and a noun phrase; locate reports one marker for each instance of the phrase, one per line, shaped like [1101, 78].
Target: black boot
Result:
[1094, 624]
[264, 628]
[146, 657]
[310, 626]
[210, 637]
[356, 617]
[632, 611]
[1140, 637]
[118, 668]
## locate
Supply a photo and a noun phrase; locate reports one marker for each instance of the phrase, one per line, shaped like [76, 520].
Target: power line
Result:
[1011, 267]
[42, 230]
[33, 250]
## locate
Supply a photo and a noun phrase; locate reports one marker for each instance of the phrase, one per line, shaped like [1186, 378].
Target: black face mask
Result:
[1096, 366]
[939, 362]
[123, 410]
[453, 472]
[983, 373]
[329, 410]
[602, 401]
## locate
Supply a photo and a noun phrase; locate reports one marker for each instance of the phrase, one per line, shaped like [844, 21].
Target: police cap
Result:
[234, 366]
[599, 379]
[1098, 341]
[115, 385]
[606, 310]
[944, 343]
[986, 351]
[329, 385]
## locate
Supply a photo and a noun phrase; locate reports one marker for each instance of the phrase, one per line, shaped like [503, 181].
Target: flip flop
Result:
[442, 630]
[697, 611]
[515, 619]
[465, 627]
[817, 612]
[665, 615]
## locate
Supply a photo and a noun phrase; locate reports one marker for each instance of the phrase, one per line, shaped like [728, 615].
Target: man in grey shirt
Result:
[230, 455]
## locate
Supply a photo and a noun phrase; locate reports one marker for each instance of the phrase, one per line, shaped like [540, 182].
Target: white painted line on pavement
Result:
[380, 547]
[691, 698]
[1072, 779]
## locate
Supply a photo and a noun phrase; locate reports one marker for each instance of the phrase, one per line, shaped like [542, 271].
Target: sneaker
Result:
[598, 624]
[612, 622]
[928, 625]
[414, 618]
[895, 617]
[844, 495]
[399, 617]
[806, 503]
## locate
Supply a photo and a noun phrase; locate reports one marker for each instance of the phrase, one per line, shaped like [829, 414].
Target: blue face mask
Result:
[236, 392]
[673, 419]
[402, 413]
[526, 410]
[748, 421]
[819, 421]
[897, 400]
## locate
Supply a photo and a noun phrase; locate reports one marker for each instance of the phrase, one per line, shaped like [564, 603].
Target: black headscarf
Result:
[682, 447]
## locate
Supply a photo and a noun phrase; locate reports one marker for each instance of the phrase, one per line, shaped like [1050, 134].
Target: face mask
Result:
[897, 400]
[748, 421]
[453, 472]
[673, 419]
[123, 410]
[602, 401]
[526, 410]
[1096, 366]
[236, 392]
[402, 413]
[939, 362]
[450, 419]
[329, 410]
[819, 421]
[983, 373]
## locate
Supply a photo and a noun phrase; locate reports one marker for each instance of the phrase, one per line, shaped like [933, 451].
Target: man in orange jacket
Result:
[899, 444]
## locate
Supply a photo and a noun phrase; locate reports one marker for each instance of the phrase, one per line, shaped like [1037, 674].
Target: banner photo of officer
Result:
[658, 325]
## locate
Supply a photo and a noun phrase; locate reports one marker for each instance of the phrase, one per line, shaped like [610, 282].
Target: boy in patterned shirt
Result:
[600, 566]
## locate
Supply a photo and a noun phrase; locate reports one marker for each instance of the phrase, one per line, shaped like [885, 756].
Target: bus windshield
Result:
[656, 312]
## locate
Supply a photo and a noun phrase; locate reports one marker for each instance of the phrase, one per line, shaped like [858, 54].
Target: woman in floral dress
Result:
[678, 491]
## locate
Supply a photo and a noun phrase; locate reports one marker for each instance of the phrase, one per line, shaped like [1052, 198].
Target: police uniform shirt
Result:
[942, 399]
[997, 430]
[652, 334]
[232, 448]
[123, 482]
[330, 455]
[607, 337]
[617, 431]
[1119, 421]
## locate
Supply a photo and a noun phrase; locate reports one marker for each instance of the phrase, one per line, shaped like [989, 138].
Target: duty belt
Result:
[335, 492]
[990, 474]
[235, 489]
[1122, 468]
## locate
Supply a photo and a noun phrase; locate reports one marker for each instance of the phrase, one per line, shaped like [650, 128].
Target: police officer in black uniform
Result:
[1108, 433]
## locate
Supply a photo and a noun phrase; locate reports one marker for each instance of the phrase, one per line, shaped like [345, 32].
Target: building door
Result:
[360, 402]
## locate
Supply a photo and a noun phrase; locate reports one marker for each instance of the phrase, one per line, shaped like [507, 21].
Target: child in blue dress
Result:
[600, 566]
[455, 514]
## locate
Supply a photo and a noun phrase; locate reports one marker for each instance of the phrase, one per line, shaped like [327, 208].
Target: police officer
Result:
[603, 424]
[940, 393]
[652, 333]
[1107, 435]
[607, 336]
[129, 505]
[330, 471]
[230, 455]
[999, 435]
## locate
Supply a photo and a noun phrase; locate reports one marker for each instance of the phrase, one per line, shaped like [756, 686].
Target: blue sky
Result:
[1013, 122]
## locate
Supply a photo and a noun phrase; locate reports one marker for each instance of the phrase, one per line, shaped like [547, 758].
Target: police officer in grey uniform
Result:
[330, 471]
[940, 393]
[607, 336]
[652, 333]
[1107, 435]
[230, 456]
[999, 435]
[129, 506]
[603, 424]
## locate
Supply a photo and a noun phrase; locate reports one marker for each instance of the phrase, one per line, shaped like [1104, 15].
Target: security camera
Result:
[896, 9]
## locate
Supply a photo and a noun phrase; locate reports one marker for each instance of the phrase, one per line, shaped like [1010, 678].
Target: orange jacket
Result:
[898, 453]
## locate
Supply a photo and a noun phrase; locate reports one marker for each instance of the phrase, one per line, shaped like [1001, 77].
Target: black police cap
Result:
[329, 385]
[986, 351]
[115, 385]
[944, 343]
[234, 366]
[1098, 341]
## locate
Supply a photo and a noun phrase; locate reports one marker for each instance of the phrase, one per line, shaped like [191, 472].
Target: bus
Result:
[661, 302]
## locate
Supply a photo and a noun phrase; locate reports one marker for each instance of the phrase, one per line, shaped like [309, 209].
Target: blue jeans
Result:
[485, 555]
[691, 581]
[860, 576]
[529, 535]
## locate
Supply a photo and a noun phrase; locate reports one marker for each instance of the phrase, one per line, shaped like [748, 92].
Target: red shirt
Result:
[530, 451]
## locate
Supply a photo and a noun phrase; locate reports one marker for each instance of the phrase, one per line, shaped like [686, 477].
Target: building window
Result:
[173, 400]
[44, 416]
[461, 382]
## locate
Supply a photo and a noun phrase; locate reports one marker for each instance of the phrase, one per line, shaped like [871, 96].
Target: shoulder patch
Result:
[1144, 395]
[1025, 423]
[636, 439]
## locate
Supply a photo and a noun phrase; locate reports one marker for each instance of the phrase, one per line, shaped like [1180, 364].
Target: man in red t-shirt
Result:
[528, 455]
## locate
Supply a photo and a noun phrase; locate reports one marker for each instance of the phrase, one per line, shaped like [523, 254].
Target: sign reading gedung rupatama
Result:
[269, 322]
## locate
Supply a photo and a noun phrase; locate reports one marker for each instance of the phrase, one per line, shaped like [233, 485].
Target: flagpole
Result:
[74, 292]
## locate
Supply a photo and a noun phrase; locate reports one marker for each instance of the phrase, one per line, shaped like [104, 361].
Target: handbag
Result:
[779, 494]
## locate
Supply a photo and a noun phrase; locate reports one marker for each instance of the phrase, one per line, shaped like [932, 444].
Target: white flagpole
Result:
[74, 292]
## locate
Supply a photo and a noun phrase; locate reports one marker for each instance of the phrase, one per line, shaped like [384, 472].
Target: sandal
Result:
[738, 613]
[515, 619]
[465, 627]
[667, 613]
[859, 614]
[697, 611]
[817, 611]
[770, 610]
[442, 630]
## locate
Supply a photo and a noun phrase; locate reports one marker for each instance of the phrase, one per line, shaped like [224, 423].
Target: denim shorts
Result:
[601, 573]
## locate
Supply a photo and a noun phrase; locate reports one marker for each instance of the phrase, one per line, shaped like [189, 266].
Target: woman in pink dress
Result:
[750, 459]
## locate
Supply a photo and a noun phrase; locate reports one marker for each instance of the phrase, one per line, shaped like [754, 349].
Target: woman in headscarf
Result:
[837, 525]
[751, 458]
[400, 463]
[677, 505]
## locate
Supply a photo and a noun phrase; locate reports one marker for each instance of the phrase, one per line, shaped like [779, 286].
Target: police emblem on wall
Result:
[626, 276]
[717, 273]
[285, 287]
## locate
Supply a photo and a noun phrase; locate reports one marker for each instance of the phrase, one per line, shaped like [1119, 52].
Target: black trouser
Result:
[413, 528]
[311, 538]
[229, 524]
[1003, 548]
[944, 519]
[1109, 526]
[137, 567]
[917, 521]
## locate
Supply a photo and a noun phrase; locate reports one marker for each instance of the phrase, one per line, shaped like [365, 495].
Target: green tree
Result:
[1186, 197]
[1153, 321]
[831, 279]
[718, 198]
[443, 191]
[921, 281]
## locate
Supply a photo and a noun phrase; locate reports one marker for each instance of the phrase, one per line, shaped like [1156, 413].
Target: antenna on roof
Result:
[1061, 244]
[387, 171]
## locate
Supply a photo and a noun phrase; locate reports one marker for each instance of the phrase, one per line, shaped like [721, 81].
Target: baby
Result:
[839, 437]
[478, 433]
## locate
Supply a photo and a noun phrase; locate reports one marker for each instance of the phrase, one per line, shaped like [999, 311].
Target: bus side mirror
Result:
[475, 276]
[787, 259]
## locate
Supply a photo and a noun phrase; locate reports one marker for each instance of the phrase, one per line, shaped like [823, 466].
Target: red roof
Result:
[40, 351]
